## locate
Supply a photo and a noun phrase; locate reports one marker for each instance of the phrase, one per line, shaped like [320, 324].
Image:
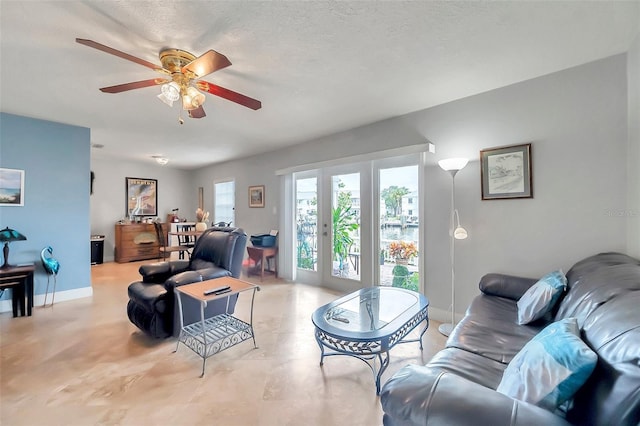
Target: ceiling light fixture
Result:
[160, 159]
[192, 98]
[170, 93]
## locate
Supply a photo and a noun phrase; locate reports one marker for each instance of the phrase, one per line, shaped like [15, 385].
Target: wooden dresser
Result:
[137, 241]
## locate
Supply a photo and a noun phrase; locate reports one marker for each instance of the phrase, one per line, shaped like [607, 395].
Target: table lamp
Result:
[8, 235]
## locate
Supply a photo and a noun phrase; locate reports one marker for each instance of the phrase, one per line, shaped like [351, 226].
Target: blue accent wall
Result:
[56, 161]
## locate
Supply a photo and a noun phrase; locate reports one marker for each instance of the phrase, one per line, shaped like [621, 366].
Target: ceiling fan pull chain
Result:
[180, 119]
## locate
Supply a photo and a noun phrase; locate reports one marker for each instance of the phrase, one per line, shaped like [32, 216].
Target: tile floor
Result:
[82, 362]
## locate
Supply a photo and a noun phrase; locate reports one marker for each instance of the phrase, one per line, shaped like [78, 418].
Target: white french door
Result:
[342, 222]
[346, 225]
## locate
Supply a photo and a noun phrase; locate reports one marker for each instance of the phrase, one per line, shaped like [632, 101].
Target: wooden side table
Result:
[20, 280]
[261, 257]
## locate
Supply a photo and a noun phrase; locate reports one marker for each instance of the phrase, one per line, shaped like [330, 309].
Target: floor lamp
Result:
[456, 232]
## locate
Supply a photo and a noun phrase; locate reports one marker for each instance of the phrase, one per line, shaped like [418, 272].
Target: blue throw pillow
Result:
[551, 367]
[541, 297]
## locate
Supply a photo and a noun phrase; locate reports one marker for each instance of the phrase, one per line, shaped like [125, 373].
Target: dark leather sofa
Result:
[457, 387]
[152, 306]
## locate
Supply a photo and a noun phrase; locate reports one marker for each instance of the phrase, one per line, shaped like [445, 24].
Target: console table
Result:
[209, 336]
[261, 257]
[20, 280]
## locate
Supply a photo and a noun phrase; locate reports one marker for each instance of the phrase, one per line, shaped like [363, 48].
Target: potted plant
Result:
[403, 251]
[201, 219]
[344, 223]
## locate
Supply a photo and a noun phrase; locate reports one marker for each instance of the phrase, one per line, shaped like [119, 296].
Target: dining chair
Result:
[186, 241]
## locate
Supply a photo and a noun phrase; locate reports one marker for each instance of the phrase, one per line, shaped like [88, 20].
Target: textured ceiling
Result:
[318, 67]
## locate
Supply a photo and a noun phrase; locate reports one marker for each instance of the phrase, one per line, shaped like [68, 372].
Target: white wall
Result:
[577, 122]
[175, 190]
[633, 159]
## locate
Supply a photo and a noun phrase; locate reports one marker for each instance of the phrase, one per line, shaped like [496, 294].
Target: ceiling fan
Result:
[183, 71]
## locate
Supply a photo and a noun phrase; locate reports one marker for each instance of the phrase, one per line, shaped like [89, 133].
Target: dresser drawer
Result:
[136, 242]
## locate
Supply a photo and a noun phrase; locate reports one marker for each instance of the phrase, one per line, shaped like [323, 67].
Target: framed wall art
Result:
[142, 197]
[505, 172]
[256, 196]
[11, 187]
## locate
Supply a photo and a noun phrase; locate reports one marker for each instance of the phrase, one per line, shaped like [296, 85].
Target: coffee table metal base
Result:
[370, 350]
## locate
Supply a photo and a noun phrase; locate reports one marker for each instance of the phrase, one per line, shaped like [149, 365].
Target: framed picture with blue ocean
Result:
[505, 172]
[142, 197]
[11, 187]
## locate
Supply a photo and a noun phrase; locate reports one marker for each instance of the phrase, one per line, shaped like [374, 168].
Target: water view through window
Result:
[399, 227]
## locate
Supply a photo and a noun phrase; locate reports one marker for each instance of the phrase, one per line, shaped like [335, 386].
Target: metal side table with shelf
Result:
[211, 335]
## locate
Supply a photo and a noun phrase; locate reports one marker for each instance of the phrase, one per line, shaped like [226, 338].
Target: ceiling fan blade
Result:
[118, 53]
[206, 64]
[197, 113]
[134, 85]
[229, 95]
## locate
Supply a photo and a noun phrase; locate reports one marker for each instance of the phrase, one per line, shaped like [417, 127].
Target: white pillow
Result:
[541, 297]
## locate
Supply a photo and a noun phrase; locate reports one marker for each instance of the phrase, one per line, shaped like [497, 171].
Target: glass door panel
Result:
[345, 226]
[307, 223]
[399, 225]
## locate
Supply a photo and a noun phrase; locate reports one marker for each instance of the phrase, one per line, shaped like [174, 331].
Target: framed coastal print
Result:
[256, 196]
[11, 187]
[142, 196]
[505, 172]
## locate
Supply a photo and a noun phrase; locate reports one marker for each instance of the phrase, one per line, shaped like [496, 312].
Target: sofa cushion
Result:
[589, 289]
[489, 329]
[541, 297]
[550, 368]
[421, 395]
[473, 367]
[612, 393]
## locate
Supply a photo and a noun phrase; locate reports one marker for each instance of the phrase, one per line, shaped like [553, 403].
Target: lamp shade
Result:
[8, 235]
[453, 163]
[171, 91]
[460, 233]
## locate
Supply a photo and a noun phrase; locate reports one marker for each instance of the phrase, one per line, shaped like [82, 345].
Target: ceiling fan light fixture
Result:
[164, 99]
[171, 91]
[197, 98]
[192, 98]
[187, 105]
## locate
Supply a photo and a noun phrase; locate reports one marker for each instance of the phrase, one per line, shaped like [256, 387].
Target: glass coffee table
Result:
[367, 323]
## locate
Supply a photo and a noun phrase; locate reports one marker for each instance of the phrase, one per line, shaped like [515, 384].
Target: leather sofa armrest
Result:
[159, 272]
[213, 273]
[508, 286]
[186, 277]
[419, 395]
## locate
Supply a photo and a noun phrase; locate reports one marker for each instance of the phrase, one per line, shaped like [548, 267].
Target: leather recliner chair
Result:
[152, 306]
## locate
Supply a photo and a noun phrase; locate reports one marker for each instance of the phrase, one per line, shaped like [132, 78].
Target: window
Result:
[224, 202]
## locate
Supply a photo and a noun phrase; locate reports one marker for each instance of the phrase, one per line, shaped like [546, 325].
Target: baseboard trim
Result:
[442, 315]
[61, 296]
